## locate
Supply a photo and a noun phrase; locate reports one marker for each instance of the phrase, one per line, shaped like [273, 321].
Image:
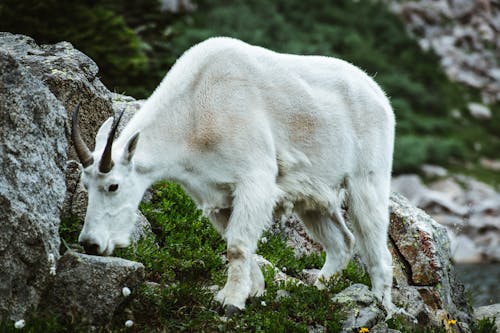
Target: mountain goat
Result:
[249, 132]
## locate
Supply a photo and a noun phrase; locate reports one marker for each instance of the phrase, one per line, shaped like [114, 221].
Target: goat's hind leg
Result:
[369, 214]
[337, 240]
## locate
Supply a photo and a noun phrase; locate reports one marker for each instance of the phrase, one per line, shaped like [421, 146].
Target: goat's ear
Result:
[102, 134]
[130, 148]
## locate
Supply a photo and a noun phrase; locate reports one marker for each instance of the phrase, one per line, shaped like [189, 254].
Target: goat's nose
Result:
[90, 248]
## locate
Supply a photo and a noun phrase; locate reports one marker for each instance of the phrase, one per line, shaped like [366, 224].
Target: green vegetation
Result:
[183, 255]
[484, 325]
[135, 44]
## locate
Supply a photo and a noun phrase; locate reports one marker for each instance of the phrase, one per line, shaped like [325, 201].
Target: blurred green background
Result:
[135, 43]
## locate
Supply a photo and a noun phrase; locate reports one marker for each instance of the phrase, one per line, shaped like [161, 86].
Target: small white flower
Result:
[129, 323]
[263, 240]
[52, 271]
[126, 291]
[284, 269]
[263, 303]
[19, 324]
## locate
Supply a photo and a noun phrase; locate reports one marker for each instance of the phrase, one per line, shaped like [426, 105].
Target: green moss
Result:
[282, 256]
[183, 244]
[69, 229]
[484, 325]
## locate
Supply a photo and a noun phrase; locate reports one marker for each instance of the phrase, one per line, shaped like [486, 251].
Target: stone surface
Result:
[70, 76]
[296, 235]
[33, 150]
[279, 276]
[177, 6]
[89, 288]
[489, 311]
[465, 34]
[360, 307]
[426, 284]
[469, 209]
[39, 86]
[479, 111]
[433, 171]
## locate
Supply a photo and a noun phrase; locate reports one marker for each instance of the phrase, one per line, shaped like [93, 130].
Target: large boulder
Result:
[89, 289]
[69, 75]
[469, 210]
[33, 149]
[464, 34]
[425, 280]
[360, 307]
[39, 85]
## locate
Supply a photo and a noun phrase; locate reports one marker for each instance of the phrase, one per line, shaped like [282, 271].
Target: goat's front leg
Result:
[253, 204]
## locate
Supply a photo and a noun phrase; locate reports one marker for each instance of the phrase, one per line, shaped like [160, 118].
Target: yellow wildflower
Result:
[364, 330]
[452, 321]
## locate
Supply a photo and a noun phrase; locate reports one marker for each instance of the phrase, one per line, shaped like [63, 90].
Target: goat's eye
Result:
[113, 187]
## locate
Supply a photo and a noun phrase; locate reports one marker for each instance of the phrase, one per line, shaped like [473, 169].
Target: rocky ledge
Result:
[465, 34]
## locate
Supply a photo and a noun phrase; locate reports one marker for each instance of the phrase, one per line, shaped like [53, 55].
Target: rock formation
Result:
[90, 288]
[33, 149]
[39, 85]
[469, 209]
[465, 34]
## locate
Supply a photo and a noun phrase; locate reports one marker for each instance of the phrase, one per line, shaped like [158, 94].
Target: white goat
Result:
[248, 132]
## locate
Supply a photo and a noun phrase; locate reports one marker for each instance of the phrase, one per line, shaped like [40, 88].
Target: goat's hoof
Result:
[230, 310]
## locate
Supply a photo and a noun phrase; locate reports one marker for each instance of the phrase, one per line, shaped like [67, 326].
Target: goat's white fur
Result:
[248, 132]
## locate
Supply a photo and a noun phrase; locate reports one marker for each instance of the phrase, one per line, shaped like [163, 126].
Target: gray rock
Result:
[463, 33]
[360, 307]
[70, 75]
[432, 171]
[88, 289]
[279, 275]
[461, 8]
[468, 208]
[310, 276]
[409, 298]
[412, 187]
[33, 150]
[316, 329]
[39, 85]
[489, 311]
[479, 111]
[465, 250]
[422, 261]
[177, 6]
[490, 164]
[382, 328]
[425, 281]
[296, 236]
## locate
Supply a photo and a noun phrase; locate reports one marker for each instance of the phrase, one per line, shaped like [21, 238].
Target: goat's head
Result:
[113, 187]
